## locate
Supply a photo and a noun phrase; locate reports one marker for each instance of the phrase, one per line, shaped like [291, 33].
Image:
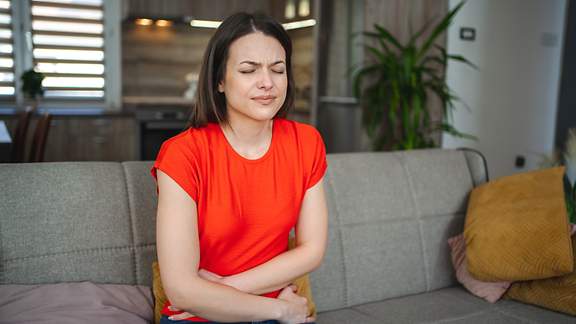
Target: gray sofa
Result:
[387, 260]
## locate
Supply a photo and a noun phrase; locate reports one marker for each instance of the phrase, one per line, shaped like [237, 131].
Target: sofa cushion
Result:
[448, 305]
[517, 228]
[78, 302]
[558, 293]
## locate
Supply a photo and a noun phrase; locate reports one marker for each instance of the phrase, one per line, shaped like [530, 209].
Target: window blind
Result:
[6, 52]
[68, 47]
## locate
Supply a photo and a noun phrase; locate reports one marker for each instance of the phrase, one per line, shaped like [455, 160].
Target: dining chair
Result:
[19, 139]
[39, 140]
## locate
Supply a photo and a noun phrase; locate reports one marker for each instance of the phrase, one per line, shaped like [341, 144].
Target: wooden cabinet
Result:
[92, 139]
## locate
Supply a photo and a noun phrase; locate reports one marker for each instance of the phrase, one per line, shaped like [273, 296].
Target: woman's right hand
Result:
[296, 311]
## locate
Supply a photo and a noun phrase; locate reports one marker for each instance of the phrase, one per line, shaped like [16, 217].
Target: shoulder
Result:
[189, 142]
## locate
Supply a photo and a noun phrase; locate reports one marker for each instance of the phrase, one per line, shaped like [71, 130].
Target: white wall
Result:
[513, 95]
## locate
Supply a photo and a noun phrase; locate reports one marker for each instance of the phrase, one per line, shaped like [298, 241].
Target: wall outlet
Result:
[520, 161]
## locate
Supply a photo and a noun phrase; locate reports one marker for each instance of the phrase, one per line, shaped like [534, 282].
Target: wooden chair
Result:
[19, 141]
[39, 140]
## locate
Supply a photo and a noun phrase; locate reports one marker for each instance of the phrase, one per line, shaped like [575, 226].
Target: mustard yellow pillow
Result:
[517, 228]
[303, 284]
[158, 291]
[558, 293]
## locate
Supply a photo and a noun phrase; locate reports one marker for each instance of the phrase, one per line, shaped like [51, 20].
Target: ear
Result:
[221, 86]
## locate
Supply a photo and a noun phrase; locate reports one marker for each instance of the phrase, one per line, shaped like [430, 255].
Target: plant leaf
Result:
[453, 131]
[386, 35]
[461, 58]
[439, 29]
[380, 40]
[419, 33]
[570, 199]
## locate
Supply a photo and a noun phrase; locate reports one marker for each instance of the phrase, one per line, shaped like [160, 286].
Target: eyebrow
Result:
[258, 64]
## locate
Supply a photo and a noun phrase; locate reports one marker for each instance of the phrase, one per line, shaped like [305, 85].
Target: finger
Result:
[172, 308]
[310, 319]
[180, 316]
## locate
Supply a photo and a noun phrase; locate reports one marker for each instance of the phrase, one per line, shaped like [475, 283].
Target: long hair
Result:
[210, 105]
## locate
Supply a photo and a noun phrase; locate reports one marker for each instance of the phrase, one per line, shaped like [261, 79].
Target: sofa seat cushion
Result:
[75, 302]
[448, 305]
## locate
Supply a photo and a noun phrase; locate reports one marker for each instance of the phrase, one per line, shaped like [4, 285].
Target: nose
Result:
[266, 82]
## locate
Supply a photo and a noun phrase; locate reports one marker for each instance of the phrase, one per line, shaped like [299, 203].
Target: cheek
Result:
[282, 83]
[238, 88]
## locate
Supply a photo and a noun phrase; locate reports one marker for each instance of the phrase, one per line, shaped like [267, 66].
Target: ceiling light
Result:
[304, 8]
[163, 23]
[290, 9]
[205, 23]
[144, 22]
[299, 24]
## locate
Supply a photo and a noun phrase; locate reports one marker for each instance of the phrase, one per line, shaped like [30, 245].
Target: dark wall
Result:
[567, 102]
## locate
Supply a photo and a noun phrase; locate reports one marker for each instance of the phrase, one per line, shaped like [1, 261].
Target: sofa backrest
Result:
[390, 215]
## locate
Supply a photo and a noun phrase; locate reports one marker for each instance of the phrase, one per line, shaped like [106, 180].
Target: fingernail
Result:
[170, 317]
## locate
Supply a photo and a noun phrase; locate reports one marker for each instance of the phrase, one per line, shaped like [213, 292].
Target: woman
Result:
[233, 185]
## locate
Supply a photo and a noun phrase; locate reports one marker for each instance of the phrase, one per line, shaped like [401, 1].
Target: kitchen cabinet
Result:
[92, 139]
[86, 138]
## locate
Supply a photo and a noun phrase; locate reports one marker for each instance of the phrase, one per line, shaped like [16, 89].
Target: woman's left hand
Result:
[206, 275]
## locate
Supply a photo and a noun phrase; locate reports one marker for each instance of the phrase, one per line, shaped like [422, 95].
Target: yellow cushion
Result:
[517, 228]
[158, 290]
[558, 293]
[303, 284]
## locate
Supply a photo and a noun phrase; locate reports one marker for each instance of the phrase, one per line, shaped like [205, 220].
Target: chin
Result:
[263, 113]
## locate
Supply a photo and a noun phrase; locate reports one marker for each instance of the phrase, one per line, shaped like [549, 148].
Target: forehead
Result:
[256, 47]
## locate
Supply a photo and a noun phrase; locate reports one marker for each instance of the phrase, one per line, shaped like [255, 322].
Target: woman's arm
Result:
[311, 236]
[178, 256]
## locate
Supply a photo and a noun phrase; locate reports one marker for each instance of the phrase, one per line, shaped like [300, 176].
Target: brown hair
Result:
[210, 105]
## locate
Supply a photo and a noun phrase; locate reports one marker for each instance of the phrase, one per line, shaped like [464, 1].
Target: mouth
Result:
[265, 100]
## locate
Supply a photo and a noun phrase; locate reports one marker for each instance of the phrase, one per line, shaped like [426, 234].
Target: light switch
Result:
[467, 33]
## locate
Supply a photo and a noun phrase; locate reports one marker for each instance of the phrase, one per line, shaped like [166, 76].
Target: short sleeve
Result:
[317, 152]
[177, 161]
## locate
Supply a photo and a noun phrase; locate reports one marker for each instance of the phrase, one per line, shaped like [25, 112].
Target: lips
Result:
[265, 100]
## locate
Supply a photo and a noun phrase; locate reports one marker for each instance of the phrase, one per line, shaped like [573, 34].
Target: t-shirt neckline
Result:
[242, 158]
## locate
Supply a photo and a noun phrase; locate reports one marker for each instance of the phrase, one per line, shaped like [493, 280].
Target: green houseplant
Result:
[570, 176]
[393, 89]
[566, 158]
[32, 85]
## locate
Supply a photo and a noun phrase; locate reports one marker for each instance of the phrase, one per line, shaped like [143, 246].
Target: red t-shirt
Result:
[246, 208]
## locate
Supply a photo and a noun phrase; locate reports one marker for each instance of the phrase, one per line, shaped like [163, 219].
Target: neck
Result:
[248, 132]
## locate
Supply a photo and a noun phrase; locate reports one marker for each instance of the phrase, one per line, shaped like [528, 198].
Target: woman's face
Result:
[256, 80]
